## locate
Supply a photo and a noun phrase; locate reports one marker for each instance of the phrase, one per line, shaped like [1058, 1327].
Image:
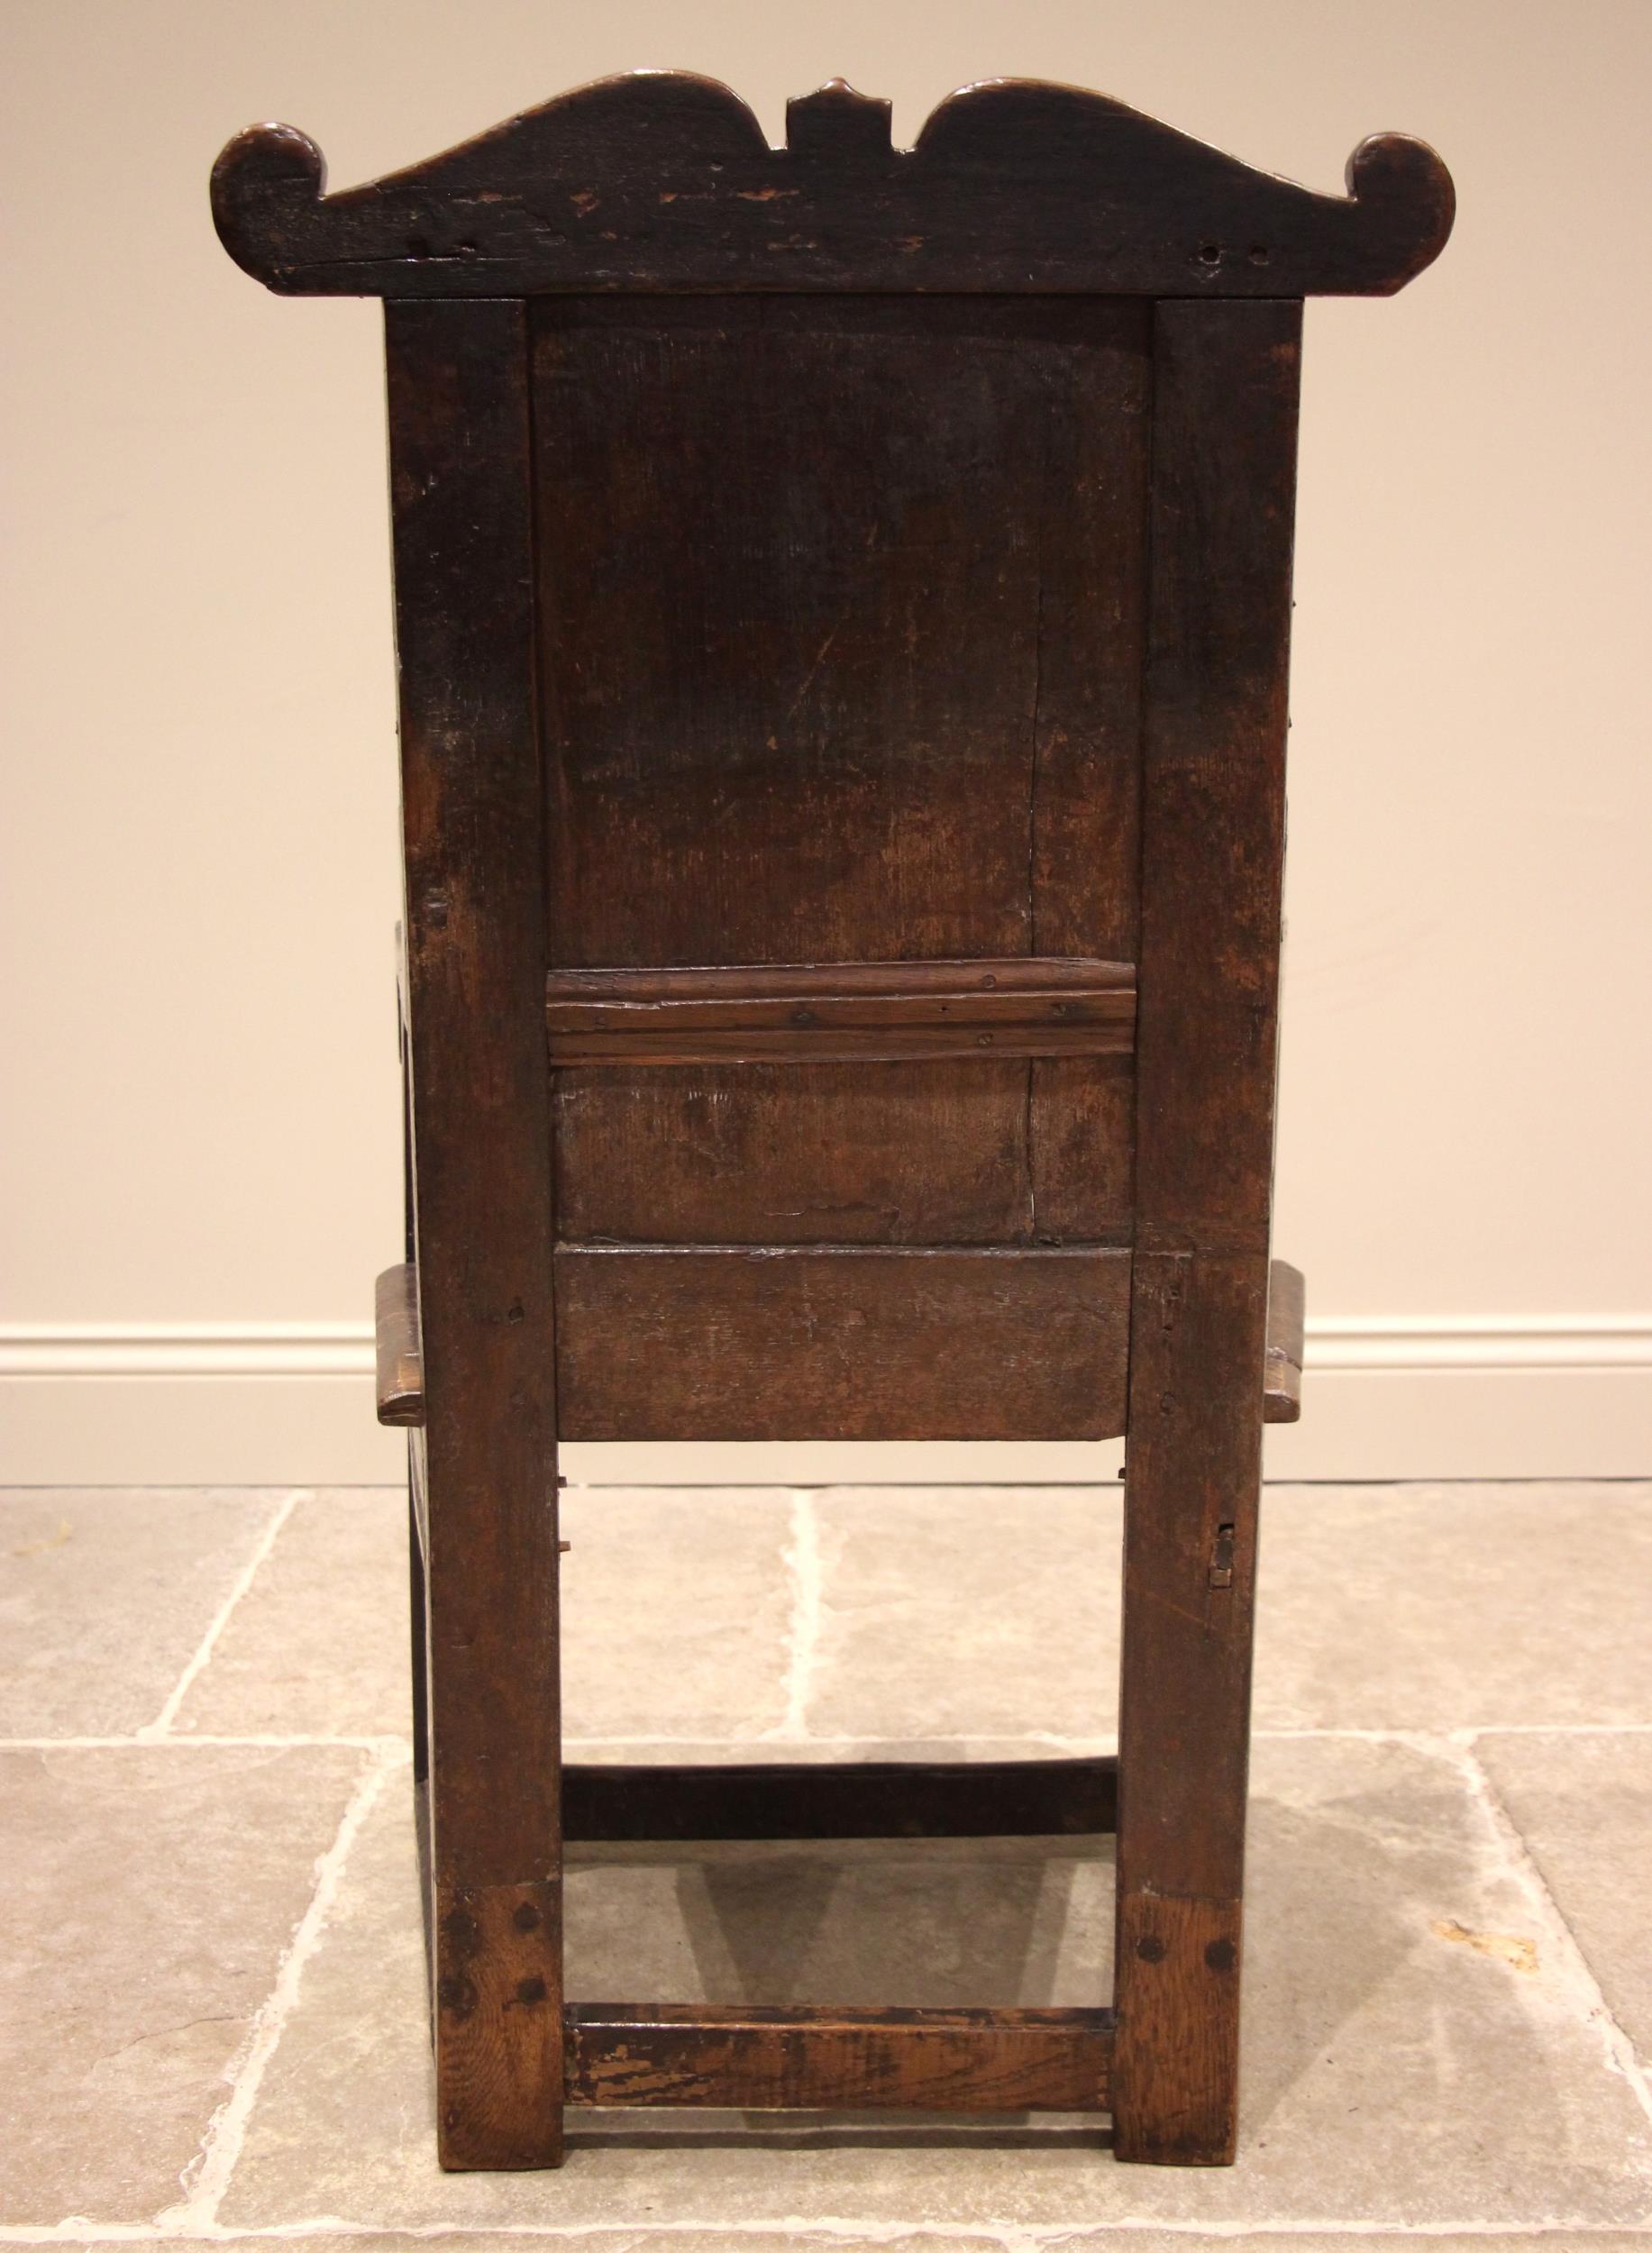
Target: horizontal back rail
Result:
[841, 1012]
[401, 1375]
[840, 1343]
[861, 1799]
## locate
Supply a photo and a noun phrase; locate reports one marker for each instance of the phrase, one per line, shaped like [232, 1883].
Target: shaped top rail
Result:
[663, 181]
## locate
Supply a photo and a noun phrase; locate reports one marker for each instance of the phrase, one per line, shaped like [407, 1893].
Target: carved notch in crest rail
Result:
[842, 1012]
[836, 122]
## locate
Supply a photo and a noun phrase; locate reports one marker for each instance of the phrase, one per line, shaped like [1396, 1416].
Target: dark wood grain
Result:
[806, 1344]
[797, 558]
[675, 1038]
[498, 1957]
[1212, 847]
[1081, 1150]
[1085, 813]
[459, 419]
[399, 1364]
[963, 2061]
[867, 1799]
[863, 993]
[881, 1153]
[1182, 1982]
[664, 181]
[886, 1012]
[897, 648]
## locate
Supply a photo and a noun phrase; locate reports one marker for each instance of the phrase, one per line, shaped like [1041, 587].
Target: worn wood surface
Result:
[876, 514]
[1005, 989]
[1282, 1381]
[459, 420]
[863, 1798]
[893, 1012]
[664, 181]
[498, 1962]
[973, 2061]
[399, 1370]
[765, 1154]
[841, 1344]
[1212, 845]
[677, 1039]
[1182, 1984]
[884, 706]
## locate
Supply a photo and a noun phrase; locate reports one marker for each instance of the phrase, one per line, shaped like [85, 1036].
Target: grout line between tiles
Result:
[205, 2180]
[160, 1726]
[801, 1557]
[1576, 1975]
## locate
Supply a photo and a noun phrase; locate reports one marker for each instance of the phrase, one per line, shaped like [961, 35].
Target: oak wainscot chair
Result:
[841, 602]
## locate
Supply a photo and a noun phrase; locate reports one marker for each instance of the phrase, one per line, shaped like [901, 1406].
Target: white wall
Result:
[201, 1175]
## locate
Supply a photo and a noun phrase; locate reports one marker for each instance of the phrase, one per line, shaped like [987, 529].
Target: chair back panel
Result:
[841, 608]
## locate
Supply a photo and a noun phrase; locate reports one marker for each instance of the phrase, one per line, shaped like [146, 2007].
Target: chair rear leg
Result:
[495, 1836]
[1190, 1496]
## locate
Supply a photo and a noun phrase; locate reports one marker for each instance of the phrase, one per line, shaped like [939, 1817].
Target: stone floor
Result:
[211, 2007]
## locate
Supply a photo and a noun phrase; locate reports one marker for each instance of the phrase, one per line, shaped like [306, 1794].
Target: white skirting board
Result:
[278, 1404]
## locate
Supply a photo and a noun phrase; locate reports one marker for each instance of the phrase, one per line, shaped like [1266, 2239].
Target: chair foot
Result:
[499, 2026]
[1176, 2057]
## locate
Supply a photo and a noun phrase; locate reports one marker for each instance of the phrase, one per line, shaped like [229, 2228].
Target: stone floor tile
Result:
[676, 1611]
[927, 1922]
[1409, 1607]
[677, 1607]
[1437, 1607]
[1395, 2076]
[146, 1896]
[972, 1611]
[107, 1594]
[319, 1644]
[1584, 1806]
